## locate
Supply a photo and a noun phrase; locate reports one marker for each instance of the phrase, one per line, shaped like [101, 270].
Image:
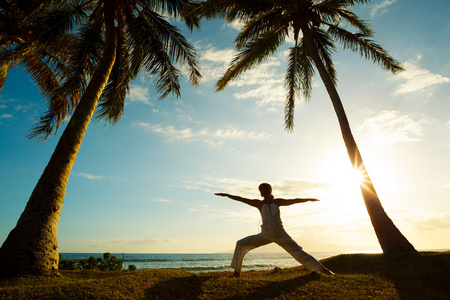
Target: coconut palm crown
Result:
[316, 26]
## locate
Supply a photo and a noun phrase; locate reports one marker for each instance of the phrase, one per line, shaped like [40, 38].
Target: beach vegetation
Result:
[315, 27]
[106, 263]
[110, 43]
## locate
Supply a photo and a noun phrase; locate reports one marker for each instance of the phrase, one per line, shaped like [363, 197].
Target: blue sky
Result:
[147, 183]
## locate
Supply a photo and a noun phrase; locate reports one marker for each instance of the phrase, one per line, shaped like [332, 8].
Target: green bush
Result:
[132, 268]
[107, 263]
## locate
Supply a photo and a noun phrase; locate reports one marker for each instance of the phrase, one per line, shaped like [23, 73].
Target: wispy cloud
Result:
[288, 187]
[128, 242]
[423, 220]
[24, 108]
[263, 83]
[382, 7]
[92, 177]
[206, 134]
[5, 116]
[389, 127]
[418, 80]
[162, 200]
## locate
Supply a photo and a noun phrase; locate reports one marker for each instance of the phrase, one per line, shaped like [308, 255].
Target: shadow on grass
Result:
[275, 289]
[178, 288]
[424, 275]
[191, 288]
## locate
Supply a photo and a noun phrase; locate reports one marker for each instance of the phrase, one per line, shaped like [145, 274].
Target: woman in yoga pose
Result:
[272, 231]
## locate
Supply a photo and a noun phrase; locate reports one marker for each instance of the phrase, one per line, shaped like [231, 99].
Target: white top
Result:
[272, 227]
[271, 220]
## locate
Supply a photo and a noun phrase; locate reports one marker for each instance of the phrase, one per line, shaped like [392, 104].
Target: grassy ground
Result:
[358, 276]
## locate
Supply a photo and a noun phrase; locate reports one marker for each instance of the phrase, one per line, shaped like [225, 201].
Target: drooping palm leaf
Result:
[254, 53]
[359, 42]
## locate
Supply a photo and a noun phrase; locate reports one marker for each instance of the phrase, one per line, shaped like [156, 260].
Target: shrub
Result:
[107, 263]
[132, 268]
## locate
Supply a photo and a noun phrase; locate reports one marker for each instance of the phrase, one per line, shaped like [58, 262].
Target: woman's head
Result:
[265, 189]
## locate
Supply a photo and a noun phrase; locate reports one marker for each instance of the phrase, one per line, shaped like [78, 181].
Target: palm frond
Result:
[4, 68]
[298, 79]
[178, 47]
[155, 56]
[291, 82]
[63, 18]
[258, 26]
[253, 53]
[230, 10]
[85, 54]
[359, 42]
[112, 100]
[50, 89]
[158, 45]
[325, 47]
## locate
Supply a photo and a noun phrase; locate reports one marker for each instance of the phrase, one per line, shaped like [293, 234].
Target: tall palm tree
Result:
[316, 26]
[118, 39]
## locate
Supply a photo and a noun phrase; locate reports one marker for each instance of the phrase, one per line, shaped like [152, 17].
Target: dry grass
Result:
[358, 276]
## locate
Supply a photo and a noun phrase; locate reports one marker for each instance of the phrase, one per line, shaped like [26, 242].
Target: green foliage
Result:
[132, 268]
[107, 263]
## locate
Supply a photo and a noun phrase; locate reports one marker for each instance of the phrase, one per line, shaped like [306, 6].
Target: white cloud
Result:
[2, 106]
[207, 135]
[90, 176]
[236, 24]
[390, 127]
[417, 79]
[381, 8]
[423, 220]
[214, 62]
[24, 108]
[139, 93]
[162, 200]
[262, 82]
[5, 116]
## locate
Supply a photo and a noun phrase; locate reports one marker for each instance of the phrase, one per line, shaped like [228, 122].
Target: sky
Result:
[147, 184]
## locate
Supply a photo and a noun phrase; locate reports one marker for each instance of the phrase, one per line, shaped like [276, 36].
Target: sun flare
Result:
[343, 181]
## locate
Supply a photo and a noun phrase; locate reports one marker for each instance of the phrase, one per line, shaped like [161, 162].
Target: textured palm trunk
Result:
[389, 236]
[31, 248]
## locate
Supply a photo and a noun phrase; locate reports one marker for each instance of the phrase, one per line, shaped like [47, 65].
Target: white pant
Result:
[246, 244]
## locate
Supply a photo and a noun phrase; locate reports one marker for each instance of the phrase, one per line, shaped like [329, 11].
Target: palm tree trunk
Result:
[389, 236]
[32, 246]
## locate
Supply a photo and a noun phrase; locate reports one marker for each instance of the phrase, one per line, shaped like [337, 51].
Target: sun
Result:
[343, 182]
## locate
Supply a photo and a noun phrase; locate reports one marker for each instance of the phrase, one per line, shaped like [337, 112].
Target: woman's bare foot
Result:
[236, 274]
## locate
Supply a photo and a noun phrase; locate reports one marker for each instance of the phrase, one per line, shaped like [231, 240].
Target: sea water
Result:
[210, 262]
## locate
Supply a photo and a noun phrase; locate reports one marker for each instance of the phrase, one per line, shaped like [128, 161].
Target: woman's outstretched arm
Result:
[254, 203]
[286, 202]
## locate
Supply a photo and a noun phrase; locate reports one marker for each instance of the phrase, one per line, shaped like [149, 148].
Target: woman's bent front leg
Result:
[243, 246]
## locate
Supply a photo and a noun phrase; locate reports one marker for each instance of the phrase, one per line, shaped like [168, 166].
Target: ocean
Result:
[213, 262]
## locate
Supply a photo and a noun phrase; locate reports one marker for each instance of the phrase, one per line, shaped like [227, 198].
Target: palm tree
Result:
[316, 26]
[110, 49]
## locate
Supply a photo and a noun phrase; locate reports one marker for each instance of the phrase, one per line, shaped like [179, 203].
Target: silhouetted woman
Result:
[272, 231]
